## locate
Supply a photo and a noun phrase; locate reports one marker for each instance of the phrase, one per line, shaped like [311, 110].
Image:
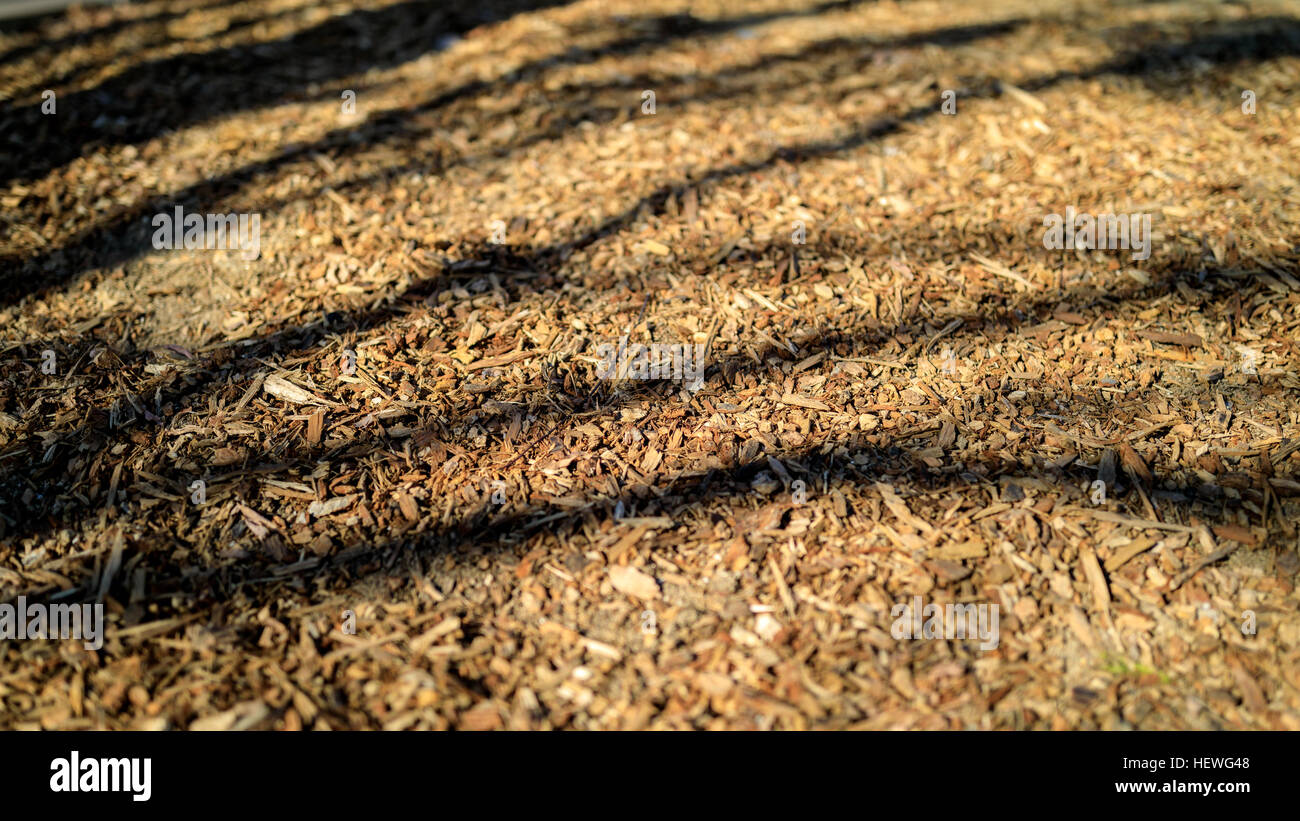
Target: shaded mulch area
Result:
[400, 422]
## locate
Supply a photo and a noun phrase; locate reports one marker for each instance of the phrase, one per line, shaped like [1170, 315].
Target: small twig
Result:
[947, 329]
[530, 447]
[1217, 555]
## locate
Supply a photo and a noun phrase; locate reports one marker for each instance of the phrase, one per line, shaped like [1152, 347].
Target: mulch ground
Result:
[396, 410]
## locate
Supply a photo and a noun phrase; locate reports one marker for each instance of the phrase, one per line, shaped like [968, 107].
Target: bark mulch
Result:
[398, 409]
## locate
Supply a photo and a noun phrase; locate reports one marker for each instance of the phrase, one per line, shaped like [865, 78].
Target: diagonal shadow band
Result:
[118, 238]
[35, 25]
[585, 399]
[550, 258]
[143, 34]
[232, 79]
[123, 236]
[342, 46]
[854, 463]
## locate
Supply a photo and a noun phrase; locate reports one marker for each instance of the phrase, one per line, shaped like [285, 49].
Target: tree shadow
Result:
[517, 268]
[161, 36]
[37, 24]
[125, 235]
[576, 395]
[137, 104]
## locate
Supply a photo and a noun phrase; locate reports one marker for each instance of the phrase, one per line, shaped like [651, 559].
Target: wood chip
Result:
[633, 582]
